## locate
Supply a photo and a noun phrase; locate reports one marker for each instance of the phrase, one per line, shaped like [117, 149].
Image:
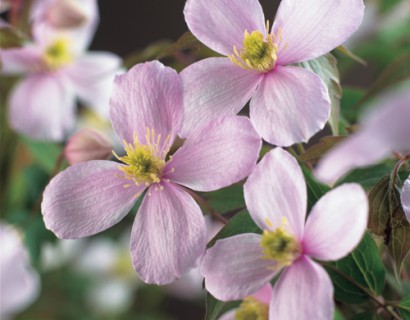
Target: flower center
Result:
[145, 162]
[280, 246]
[252, 309]
[258, 53]
[58, 54]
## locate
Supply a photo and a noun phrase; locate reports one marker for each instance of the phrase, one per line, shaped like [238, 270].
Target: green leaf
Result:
[326, 68]
[405, 308]
[363, 266]
[366, 316]
[240, 223]
[388, 219]
[338, 315]
[346, 52]
[315, 189]
[348, 103]
[11, 37]
[368, 176]
[226, 199]
[315, 152]
[215, 308]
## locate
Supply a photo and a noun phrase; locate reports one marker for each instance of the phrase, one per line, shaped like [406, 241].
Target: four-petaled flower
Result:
[276, 197]
[169, 232]
[288, 104]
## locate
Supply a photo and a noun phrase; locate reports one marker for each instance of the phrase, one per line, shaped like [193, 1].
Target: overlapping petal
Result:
[42, 107]
[312, 28]
[19, 60]
[92, 76]
[290, 106]
[234, 268]
[264, 294]
[148, 96]
[214, 88]
[337, 223]
[304, 292]
[220, 24]
[87, 198]
[275, 190]
[405, 198]
[168, 235]
[217, 155]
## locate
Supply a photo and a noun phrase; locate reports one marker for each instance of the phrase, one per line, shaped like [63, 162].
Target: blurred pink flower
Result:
[405, 198]
[19, 285]
[86, 145]
[169, 233]
[276, 198]
[385, 129]
[288, 104]
[56, 70]
[255, 306]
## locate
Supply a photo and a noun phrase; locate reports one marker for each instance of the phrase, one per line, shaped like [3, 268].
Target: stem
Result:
[300, 148]
[206, 205]
[377, 299]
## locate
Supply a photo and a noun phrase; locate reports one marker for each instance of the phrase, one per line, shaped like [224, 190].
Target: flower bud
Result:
[65, 14]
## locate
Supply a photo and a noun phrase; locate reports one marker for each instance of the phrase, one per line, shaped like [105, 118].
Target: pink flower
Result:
[169, 233]
[405, 198]
[57, 70]
[288, 104]
[276, 198]
[385, 129]
[20, 284]
[255, 306]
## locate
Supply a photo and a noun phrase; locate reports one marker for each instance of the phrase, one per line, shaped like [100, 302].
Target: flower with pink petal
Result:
[168, 234]
[288, 104]
[405, 198]
[385, 130]
[57, 70]
[276, 196]
[255, 306]
[19, 285]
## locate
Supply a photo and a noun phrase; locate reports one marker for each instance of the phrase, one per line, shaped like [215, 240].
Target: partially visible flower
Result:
[255, 307]
[169, 233]
[276, 197]
[385, 130]
[288, 104]
[19, 285]
[57, 70]
[405, 198]
[62, 252]
[86, 145]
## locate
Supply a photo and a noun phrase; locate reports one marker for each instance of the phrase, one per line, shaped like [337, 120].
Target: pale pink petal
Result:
[213, 88]
[405, 198]
[337, 223]
[304, 292]
[311, 28]
[264, 294]
[220, 24]
[217, 155]
[290, 106]
[148, 96]
[359, 150]
[19, 60]
[168, 235]
[234, 267]
[230, 315]
[87, 198]
[276, 191]
[92, 76]
[42, 107]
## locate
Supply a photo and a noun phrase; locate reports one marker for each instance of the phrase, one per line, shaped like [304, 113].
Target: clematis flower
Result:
[56, 70]
[168, 234]
[20, 284]
[254, 307]
[288, 104]
[385, 129]
[405, 198]
[276, 197]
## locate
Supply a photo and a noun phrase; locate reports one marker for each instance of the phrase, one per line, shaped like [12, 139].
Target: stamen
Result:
[58, 54]
[253, 309]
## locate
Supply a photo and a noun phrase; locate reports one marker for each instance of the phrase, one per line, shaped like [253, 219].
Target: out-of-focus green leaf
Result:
[315, 189]
[45, 153]
[215, 308]
[364, 266]
[315, 152]
[338, 315]
[387, 219]
[366, 316]
[11, 37]
[346, 52]
[326, 68]
[368, 176]
[405, 308]
[349, 99]
[226, 199]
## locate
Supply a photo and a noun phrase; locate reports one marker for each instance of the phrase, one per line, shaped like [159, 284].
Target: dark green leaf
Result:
[315, 189]
[315, 152]
[366, 316]
[215, 308]
[348, 102]
[363, 266]
[226, 199]
[369, 176]
[405, 308]
[326, 68]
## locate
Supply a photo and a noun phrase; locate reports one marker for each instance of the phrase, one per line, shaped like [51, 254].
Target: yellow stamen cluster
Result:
[259, 53]
[145, 162]
[280, 246]
[252, 309]
[58, 54]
